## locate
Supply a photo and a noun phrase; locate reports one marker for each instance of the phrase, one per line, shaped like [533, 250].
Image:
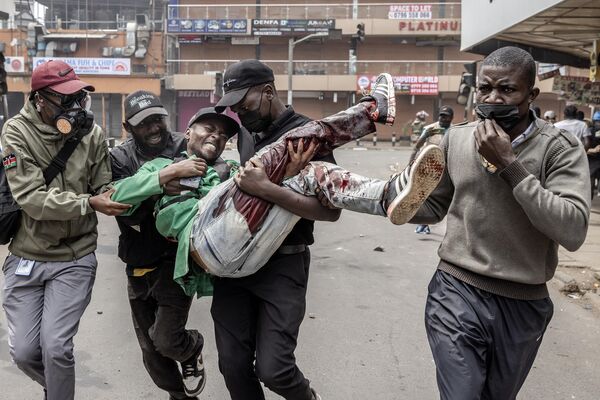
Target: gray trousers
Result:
[43, 312]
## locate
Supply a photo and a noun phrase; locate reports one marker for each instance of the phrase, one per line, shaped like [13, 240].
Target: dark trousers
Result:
[160, 308]
[483, 344]
[257, 319]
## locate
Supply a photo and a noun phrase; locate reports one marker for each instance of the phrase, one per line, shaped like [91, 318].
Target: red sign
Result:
[430, 26]
[417, 85]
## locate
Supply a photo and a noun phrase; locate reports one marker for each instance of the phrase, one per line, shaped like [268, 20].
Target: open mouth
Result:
[210, 146]
[154, 139]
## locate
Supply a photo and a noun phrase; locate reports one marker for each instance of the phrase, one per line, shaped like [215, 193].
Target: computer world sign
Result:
[416, 85]
[92, 66]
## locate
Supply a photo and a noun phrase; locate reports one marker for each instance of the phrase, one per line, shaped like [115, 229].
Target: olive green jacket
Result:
[57, 223]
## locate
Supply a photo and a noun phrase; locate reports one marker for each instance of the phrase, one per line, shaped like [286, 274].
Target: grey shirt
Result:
[503, 229]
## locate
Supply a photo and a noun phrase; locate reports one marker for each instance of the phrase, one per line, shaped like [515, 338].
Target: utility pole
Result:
[291, 45]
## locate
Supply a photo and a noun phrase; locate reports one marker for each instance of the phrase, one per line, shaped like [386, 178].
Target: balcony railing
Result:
[328, 67]
[315, 11]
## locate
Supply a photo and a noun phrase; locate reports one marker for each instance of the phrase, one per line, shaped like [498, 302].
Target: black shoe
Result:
[194, 376]
[409, 189]
[384, 94]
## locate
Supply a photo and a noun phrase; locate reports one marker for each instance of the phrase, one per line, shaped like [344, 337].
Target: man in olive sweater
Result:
[514, 189]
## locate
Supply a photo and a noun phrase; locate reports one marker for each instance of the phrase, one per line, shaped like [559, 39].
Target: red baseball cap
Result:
[58, 76]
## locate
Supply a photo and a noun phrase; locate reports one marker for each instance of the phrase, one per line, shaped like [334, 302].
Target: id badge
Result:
[24, 268]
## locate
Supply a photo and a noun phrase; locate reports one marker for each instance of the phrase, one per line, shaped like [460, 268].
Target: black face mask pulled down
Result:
[253, 121]
[505, 115]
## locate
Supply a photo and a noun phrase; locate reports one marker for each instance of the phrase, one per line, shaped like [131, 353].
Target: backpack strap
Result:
[178, 199]
[59, 162]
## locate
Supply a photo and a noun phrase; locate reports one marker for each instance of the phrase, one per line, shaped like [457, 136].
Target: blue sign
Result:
[207, 26]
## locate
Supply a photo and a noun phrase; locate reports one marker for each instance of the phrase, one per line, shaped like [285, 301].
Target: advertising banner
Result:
[207, 26]
[290, 27]
[418, 85]
[92, 66]
[410, 11]
[14, 64]
[577, 89]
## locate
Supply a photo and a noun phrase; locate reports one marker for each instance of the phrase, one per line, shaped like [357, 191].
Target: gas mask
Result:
[507, 116]
[73, 116]
[253, 121]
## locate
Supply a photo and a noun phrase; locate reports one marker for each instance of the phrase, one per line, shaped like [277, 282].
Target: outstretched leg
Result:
[331, 132]
[399, 198]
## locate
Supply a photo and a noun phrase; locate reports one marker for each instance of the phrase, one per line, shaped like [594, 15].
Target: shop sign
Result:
[417, 85]
[187, 39]
[92, 66]
[577, 89]
[290, 27]
[432, 26]
[14, 64]
[207, 26]
[547, 71]
[410, 11]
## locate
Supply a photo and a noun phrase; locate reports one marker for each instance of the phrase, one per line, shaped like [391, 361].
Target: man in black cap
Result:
[258, 317]
[433, 134]
[159, 306]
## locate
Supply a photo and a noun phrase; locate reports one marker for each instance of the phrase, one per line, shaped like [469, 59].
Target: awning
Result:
[562, 33]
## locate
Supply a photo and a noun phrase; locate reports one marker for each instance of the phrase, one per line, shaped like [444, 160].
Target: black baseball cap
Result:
[445, 110]
[231, 126]
[142, 104]
[239, 78]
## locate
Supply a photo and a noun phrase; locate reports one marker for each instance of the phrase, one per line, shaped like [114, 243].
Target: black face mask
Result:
[253, 121]
[507, 116]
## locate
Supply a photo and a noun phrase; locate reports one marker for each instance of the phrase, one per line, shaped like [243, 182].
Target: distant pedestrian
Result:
[514, 189]
[433, 134]
[575, 126]
[550, 116]
[593, 153]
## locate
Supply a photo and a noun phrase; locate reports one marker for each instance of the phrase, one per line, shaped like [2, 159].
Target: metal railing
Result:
[328, 67]
[316, 11]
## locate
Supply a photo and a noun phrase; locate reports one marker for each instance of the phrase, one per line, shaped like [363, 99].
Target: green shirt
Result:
[174, 216]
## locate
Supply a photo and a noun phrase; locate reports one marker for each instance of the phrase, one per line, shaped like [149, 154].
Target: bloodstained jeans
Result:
[235, 234]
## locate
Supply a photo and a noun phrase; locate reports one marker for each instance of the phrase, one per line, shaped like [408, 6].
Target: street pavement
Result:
[363, 336]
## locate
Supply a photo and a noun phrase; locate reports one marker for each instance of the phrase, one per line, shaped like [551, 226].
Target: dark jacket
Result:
[140, 244]
[249, 144]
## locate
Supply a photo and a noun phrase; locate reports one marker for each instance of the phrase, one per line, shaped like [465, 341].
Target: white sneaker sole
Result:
[425, 175]
[391, 114]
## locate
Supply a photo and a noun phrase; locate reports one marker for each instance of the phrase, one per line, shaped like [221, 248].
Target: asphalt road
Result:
[363, 336]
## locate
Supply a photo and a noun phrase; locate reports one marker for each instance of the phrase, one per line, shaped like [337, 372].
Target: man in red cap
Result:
[51, 267]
